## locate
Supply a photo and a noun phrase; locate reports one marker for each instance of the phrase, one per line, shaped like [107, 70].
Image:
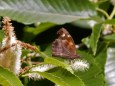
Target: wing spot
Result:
[63, 35]
[70, 43]
[68, 36]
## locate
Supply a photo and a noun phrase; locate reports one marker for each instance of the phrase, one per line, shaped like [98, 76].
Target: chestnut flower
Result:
[40, 68]
[78, 65]
[10, 51]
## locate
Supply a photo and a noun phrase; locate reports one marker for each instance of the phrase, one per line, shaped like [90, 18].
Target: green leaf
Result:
[1, 35]
[62, 77]
[110, 37]
[7, 78]
[112, 21]
[110, 66]
[94, 75]
[95, 37]
[56, 62]
[86, 41]
[31, 32]
[57, 11]
[101, 54]
[88, 23]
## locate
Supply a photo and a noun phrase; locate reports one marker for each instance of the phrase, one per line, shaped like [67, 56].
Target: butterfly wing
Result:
[64, 46]
[57, 49]
[68, 46]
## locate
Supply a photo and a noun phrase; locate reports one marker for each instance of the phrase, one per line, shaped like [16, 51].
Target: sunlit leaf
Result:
[94, 75]
[86, 41]
[56, 11]
[56, 62]
[62, 77]
[95, 37]
[110, 66]
[7, 78]
[110, 37]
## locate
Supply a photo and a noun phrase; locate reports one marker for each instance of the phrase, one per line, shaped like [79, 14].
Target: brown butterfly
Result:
[64, 46]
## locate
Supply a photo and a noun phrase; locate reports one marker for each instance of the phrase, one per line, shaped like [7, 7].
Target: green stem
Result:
[112, 14]
[104, 12]
[41, 53]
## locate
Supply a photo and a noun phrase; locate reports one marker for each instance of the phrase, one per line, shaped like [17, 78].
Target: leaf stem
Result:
[41, 53]
[112, 14]
[104, 12]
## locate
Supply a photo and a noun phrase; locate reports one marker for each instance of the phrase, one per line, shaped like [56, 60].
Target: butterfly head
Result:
[63, 33]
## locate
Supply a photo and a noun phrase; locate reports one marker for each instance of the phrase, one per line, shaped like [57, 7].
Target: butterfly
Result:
[64, 45]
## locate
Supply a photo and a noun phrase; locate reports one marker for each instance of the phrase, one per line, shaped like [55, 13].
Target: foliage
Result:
[39, 16]
[7, 78]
